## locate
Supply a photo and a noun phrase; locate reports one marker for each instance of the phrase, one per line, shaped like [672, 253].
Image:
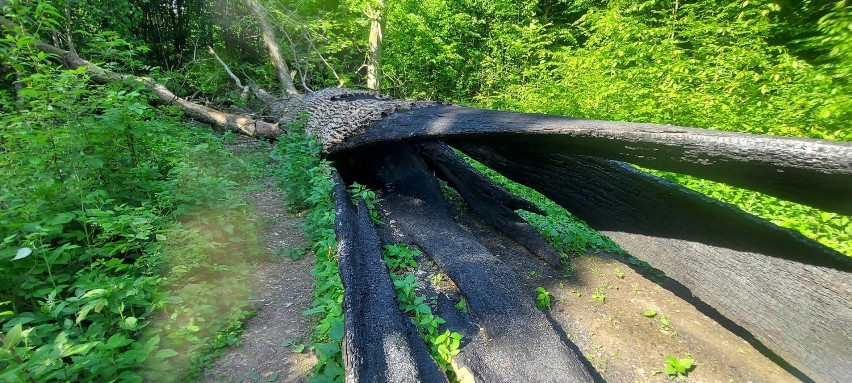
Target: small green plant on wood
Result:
[678, 367]
[359, 192]
[462, 306]
[542, 300]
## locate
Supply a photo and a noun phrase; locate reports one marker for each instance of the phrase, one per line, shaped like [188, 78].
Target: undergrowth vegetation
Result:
[443, 345]
[306, 180]
[126, 247]
[568, 234]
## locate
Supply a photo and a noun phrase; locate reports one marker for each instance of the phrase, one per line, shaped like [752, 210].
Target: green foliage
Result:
[830, 229]
[125, 246]
[542, 299]
[462, 306]
[306, 180]
[599, 296]
[400, 257]
[442, 345]
[567, 233]
[360, 192]
[678, 366]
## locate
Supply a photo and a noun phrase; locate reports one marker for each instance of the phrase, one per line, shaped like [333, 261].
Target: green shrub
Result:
[306, 180]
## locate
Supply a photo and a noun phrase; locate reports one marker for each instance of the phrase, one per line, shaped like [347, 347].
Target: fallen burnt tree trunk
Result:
[813, 172]
[791, 293]
[380, 344]
[788, 291]
[516, 341]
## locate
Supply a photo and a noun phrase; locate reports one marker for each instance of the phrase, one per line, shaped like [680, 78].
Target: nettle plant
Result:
[443, 345]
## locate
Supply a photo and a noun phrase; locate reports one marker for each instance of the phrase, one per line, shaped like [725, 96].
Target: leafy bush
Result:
[306, 180]
[756, 66]
[125, 248]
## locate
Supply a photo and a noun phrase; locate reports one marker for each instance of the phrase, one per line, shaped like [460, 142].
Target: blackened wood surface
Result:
[813, 172]
[792, 294]
[517, 343]
[491, 202]
[380, 343]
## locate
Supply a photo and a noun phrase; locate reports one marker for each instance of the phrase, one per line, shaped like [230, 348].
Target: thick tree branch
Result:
[281, 68]
[235, 123]
[245, 88]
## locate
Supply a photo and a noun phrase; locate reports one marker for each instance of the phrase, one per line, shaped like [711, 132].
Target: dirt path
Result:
[283, 289]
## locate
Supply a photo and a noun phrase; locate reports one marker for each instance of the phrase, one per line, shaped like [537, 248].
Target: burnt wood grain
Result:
[791, 293]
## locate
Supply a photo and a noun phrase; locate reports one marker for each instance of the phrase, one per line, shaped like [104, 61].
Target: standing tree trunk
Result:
[281, 68]
[374, 65]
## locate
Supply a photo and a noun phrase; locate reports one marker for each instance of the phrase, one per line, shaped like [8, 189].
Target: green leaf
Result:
[442, 338]
[60, 219]
[22, 253]
[83, 313]
[13, 337]
[670, 370]
[686, 363]
[650, 313]
[298, 348]
[336, 331]
[327, 349]
[78, 349]
[165, 353]
[92, 293]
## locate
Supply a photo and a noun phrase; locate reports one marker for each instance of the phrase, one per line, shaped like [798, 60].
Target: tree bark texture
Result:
[491, 202]
[792, 294]
[817, 173]
[416, 206]
[380, 344]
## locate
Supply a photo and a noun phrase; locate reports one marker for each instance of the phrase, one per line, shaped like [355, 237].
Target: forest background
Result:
[116, 213]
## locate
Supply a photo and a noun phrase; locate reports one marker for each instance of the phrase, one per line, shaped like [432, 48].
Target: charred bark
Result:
[415, 204]
[380, 344]
[491, 202]
[813, 172]
[791, 293]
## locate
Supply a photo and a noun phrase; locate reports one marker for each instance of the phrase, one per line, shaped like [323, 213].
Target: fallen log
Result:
[791, 293]
[380, 344]
[414, 203]
[491, 202]
[813, 172]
